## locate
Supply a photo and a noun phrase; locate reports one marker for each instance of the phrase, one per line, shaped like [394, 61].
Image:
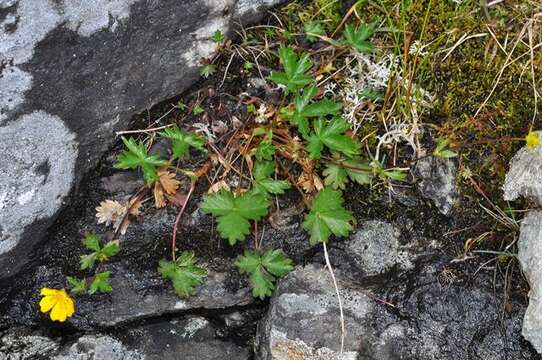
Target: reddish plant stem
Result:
[178, 218]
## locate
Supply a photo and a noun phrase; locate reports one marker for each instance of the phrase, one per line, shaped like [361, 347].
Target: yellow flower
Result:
[59, 301]
[533, 139]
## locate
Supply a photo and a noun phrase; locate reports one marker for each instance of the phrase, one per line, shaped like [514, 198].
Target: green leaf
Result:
[274, 186]
[233, 227]
[360, 38]
[264, 270]
[262, 283]
[265, 151]
[313, 27]
[294, 76]
[336, 176]
[197, 110]
[322, 108]
[387, 174]
[207, 70]
[100, 283]
[331, 134]
[135, 155]
[264, 183]
[277, 263]
[327, 216]
[233, 214]
[304, 109]
[218, 37]
[182, 141]
[110, 249]
[88, 261]
[337, 173]
[91, 241]
[183, 273]
[76, 285]
[441, 149]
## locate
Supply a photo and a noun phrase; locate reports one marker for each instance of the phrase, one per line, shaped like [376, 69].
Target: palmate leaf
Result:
[264, 183]
[304, 109]
[327, 216]
[136, 156]
[100, 283]
[264, 269]
[359, 38]
[181, 141]
[77, 286]
[338, 173]
[294, 76]
[331, 134]
[233, 213]
[313, 27]
[99, 253]
[183, 273]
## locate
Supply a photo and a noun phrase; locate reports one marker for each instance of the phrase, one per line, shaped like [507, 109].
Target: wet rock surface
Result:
[437, 182]
[81, 71]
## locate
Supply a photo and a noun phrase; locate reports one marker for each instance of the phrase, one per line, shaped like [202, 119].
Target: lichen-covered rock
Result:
[438, 181]
[376, 249]
[524, 178]
[303, 319]
[74, 72]
[530, 257]
[421, 315]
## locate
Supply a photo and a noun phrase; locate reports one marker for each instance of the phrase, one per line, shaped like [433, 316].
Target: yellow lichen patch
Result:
[58, 302]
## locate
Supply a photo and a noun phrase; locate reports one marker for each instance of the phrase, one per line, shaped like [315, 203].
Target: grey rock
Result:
[438, 182]
[530, 258]
[524, 178]
[303, 318]
[74, 72]
[139, 295]
[191, 338]
[14, 346]
[426, 314]
[98, 347]
[376, 248]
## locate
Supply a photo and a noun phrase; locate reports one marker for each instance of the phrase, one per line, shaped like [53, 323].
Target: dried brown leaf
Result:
[220, 185]
[177, 200]
[109, 211]
[168, 181]
[159, 199]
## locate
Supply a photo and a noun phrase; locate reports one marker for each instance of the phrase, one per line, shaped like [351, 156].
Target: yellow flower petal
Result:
[48, 292]
[47, 303]
[69, 306]
[533, 139]
[58, 313]
[59, 302]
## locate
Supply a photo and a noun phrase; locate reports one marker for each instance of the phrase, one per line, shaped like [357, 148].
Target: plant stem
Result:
[178, 218]
[343, 327]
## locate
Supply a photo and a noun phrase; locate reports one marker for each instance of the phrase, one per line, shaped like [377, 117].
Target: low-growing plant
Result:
[286, 148]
